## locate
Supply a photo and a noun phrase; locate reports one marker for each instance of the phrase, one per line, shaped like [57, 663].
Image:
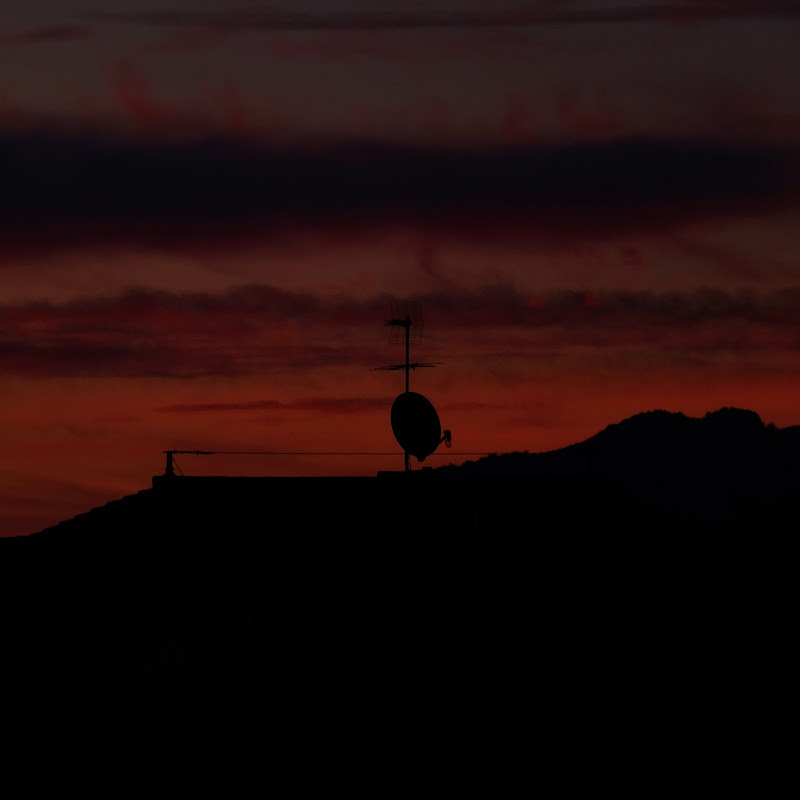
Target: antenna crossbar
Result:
[406, 321]
[413, 365]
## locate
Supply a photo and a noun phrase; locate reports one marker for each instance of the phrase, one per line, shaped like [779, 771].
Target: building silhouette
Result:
[619, 642]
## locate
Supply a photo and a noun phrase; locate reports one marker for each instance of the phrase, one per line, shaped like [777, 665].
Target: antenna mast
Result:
[406, 315]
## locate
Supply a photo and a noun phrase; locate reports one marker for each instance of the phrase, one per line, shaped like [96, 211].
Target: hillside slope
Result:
[723, 467]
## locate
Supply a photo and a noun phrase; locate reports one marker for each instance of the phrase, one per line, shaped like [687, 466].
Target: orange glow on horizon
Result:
[104, 439]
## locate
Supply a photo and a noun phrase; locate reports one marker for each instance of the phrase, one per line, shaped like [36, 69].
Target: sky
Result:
[208, 206]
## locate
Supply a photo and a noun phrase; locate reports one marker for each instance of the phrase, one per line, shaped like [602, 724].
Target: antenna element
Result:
[414, 419]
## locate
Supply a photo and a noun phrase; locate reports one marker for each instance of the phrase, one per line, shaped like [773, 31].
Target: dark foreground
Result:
[541, 638]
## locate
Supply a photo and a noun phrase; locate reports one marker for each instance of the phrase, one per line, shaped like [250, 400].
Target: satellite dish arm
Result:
[447, 438]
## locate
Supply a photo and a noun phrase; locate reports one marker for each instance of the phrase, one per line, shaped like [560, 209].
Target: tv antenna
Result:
[406, 323]
[415, 422]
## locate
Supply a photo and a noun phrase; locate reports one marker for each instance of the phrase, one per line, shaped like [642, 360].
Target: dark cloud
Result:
[79, 188]
[159, 356]
[260, 330]
[468, 405]
[160, 334]
[432, 18]
[506, 306]
[331, 405]
[46, 35]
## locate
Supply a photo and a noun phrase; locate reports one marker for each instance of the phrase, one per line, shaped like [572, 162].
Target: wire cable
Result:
[307, 453]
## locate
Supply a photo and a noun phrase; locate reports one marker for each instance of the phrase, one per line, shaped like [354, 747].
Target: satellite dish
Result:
[416, 424]
[414, 419]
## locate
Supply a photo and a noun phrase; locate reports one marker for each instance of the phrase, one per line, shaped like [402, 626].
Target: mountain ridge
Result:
[711, 469]
[722, 468]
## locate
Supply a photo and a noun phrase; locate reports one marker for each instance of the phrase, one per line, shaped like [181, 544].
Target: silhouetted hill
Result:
[725, 467]
[630, 599]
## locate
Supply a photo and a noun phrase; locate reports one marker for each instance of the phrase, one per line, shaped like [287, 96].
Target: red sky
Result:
[207, 208]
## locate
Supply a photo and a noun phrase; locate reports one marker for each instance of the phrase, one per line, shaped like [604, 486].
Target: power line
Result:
[305, 453]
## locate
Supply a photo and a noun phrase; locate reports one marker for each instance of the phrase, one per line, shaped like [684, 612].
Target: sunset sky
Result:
[207, 206]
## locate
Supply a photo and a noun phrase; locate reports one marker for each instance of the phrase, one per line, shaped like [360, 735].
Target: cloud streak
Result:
[259, 330]
[328, 405]
[48, 34]
[433, 19]
[87, 188]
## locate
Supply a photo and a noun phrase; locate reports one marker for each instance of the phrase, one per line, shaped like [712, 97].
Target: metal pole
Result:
[408, 329]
